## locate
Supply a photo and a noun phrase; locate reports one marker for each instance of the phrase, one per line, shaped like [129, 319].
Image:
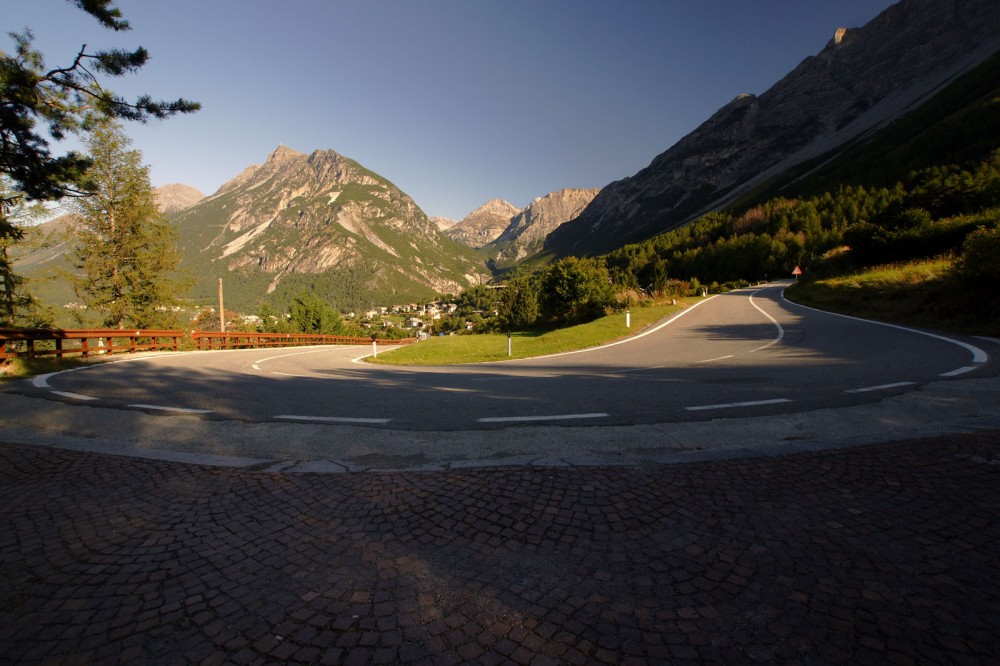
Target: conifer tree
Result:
[39, 104]
[127, 256]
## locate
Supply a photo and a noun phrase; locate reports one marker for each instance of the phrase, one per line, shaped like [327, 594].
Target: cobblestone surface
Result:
[880, 554]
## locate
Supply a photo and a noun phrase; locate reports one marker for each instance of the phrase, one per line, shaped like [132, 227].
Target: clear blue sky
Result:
[455, 101]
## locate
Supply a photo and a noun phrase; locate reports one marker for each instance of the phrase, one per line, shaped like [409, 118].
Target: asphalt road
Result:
[744, 374]
[746, 353]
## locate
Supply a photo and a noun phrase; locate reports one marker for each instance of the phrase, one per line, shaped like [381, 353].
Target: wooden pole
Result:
[222, 310]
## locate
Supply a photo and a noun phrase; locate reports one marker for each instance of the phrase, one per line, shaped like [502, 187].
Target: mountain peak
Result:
[176, 197]
[501, 206]
[484, 224]
[283, 153]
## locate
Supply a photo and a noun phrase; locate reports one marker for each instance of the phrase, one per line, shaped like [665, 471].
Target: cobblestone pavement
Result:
[883, 553]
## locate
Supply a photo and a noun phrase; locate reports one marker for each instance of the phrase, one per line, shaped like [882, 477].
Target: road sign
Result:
[797, 272]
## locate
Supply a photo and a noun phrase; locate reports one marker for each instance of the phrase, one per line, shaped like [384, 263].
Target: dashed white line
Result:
[712, 360]
[553, 417]
[74, 396]
[331, 419]
[881, 387]
[178, 410]
[730, 405]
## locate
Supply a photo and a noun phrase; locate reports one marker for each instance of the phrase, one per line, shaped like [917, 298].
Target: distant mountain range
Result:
[323, 222]
[508, 234]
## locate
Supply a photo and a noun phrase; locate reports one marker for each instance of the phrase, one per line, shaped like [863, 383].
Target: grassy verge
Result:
[457, 349]
[919, 293]
[21, 368]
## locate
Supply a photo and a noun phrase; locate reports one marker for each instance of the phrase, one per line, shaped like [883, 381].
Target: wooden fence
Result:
[33, 343]
[209, 340]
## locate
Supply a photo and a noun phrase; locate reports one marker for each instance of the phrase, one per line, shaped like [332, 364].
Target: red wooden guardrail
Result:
[87, 342]
[84, 342]
[237, 340]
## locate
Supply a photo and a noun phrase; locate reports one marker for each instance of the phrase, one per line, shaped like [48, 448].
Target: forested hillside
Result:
[928, 215]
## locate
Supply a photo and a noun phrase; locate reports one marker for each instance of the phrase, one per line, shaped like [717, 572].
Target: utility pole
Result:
[222, 310]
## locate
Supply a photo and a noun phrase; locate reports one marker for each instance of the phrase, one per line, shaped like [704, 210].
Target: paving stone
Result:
[882, 553]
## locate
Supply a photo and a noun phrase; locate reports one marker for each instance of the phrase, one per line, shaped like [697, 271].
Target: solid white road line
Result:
[178, 410]
[880, 388]
[325, 348]
[978, 355]
[781, 331]
[330, 419]
[958, 371]
[729, 405]
[554, 417]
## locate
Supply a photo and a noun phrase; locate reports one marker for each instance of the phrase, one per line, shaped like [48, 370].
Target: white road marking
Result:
[330, 419]
[623, 341]
[554, 417]
[313, 350]
[178, 410]
[958, 371]
[781, 331]
[42, 381]
[712, 360]
[729, 405]
[74, 396]
[978, 355]
[880, 388]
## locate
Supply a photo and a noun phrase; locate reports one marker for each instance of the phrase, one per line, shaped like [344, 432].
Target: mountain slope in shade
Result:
[321, 222]
[860, 82]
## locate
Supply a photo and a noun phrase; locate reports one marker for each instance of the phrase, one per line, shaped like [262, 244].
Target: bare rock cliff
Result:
[528, 229]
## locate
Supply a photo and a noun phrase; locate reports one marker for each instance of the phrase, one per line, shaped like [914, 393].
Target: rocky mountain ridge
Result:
[326, 216]
[176, 197]
[861, 81]
[528, 229]
[484, 224]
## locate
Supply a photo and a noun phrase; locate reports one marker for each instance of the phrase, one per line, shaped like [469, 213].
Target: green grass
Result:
[917, 293]
[458, 349]
[22, 368]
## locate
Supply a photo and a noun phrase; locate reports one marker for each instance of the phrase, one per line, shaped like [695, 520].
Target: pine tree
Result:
[17, 306]
[127, 255]
[39, 104]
